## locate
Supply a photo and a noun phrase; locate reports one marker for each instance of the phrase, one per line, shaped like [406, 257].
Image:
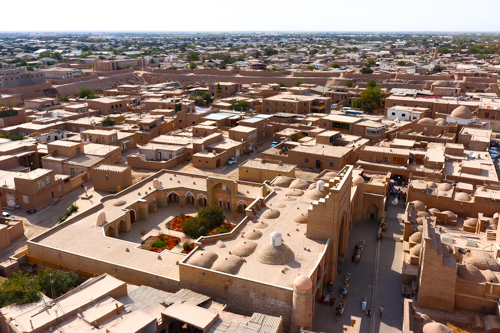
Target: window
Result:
[106, 177]
[47, 180]
[26, 199]
[39, 183]
[112, 139]
[486, 114]
[331, 164]
[72, 171]
[403, 114]
[307, 160]
[102, 140]
[394, 113]
[78, 150]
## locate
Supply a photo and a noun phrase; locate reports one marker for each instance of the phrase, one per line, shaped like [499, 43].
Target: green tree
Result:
[214, 215]
[63, 98]
[372, 84]
[193, 56]
[297, 83]
[366, 70]
[108, 121]
[348, 83]
[239, 105]
[401, 63]
[371, 62]
[22, 288]
[335, 65]
[63, 281]
[311, 68]
[207, 98]
[438, 68]
[178, 107]
[222, 66]
[86, 92]
[371, 99]
[313, 51]
[24, 63]
[192, 65]
[195, 227]
[30, 68]
[281, 84]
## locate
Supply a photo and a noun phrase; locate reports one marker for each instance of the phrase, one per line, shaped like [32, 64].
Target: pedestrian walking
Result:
[352, 258]
[381, 310]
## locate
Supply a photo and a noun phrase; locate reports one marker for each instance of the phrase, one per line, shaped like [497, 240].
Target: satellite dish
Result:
[309, 123]
[472, 154]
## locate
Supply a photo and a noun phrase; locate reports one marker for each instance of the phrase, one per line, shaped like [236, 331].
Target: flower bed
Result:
[160, 243]
[186, 250]
[176, 223]
[225, 228]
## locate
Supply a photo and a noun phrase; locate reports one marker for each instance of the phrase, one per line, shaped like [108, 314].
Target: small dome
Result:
[330, 175]
[469, 272]
[302, 282]
[423, 214]
[451, 215]
[358, 180]
[220, 244]
[445, 187]
[253, 234]
[433, 211]
[119, 203]
[421, 220]
[431, 185]
[101, 219]
[462, 196]
[280, 205]
[157, 184]
[261, 225]
[427, 121]
[299, 184]
[489, 276]
[203, 259]
[300, 218]
[418, 205]
[314, 194]
[484, 263]
[271, 214]
[312, 186]
[441, 122]
[295, 193]
[282, 181]
[416, 237]
[462, 112]
[227, 263]
[436, 328]
[471, 222]
[416, 250]
[244, 248]
[274, 255]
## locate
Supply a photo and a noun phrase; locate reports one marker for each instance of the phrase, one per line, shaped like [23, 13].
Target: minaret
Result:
[435, 53]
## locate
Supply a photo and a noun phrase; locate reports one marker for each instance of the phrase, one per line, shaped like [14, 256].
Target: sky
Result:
[254, 15]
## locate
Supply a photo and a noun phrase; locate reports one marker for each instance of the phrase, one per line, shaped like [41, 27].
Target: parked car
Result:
[232, 160]
[5, 214]
[274, 143]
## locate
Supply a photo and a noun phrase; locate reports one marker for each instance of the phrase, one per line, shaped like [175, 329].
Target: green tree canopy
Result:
[371, 62]
[192, 65]
[438, 68]
[348, 83]
[239, 105]
[371, 99]
[297, 83]
[108, 121]
[86, 92]
[366, 70]
[401, 63]
[193, 56]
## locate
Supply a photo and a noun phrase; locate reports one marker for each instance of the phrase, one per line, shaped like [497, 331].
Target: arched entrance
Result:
[122, 227]
[242, 205]
[372, 212]
[189, 198]
[202, 200]
[111, 232]
[173, 197]
[228, 204]
[220, 203]
[132, 216]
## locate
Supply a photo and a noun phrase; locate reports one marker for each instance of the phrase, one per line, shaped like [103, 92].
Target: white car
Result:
[5, 214]
[232, 160]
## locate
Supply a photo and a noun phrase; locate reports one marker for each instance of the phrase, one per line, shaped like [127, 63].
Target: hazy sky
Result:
[254, 15]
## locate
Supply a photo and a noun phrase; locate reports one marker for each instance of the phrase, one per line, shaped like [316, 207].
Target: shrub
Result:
[195, 227]
[64, 98]
[214, 215]
[159, 243]
[186, 246]
[72, 208]
[20, 289]
[224, 231]
[63, 281]
[143, 232]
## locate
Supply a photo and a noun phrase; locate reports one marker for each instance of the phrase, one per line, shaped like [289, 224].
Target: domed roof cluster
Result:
[462, 196]
[299, 184]
[441, 122]
[358, 180]
[274, 255]
[300, 218]
[418, 205]
[227, 263]
[253, 234]
[490, 276]
[314, 194]
[244, 248]
[271, 214]
[444, 187]
[294, 192]
[434, 211]
[471, 222]
[450, 215]
[462, 112]
[431, 185]
[427, 121]
[416, 250]
[436, 328]
[416, 237]
[203, 259]
[484, 263]
[469, 272]
[282, 181]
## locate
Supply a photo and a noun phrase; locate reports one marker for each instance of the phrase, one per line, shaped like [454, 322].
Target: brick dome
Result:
[462, 112]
